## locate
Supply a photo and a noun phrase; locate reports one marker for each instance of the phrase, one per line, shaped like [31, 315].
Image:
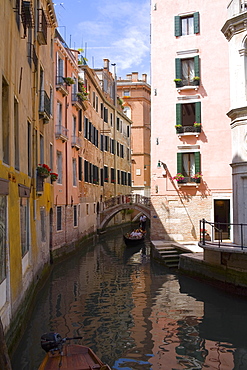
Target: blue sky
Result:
[118, 30]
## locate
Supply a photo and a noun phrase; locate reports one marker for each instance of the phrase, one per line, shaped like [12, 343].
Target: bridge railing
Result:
[123, 199]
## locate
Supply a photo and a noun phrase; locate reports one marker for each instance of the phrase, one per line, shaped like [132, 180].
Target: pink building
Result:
[191, 139]
[67, 114]
[135, 93]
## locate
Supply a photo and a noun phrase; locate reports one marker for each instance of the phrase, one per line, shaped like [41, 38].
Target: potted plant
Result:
[179, 177]
[43, 170]
[178, 82]
[179, 128]
[197, 126]
[196, 80]
[196, 177]
[69, 81]
[54, 176]
[82, 94]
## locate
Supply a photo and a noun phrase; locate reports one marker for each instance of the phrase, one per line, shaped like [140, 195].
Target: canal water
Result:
[136, 314]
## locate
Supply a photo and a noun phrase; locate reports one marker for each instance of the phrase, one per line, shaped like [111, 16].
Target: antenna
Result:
[85, 49]
[93, 62]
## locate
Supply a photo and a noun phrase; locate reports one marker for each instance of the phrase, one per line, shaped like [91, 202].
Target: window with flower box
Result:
[189, 166]
[187, 71]
[188, 118]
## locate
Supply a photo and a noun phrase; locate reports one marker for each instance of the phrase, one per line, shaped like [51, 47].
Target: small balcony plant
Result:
[69, 81]
[43, 170]
[197, 126]
[196, 80]
[179, 128]
[179, 177]
[82, 94]
[178, 82]
[54, 176]
[197, 177]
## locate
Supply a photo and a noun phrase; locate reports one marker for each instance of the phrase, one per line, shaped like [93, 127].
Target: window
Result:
[105, 174]
[5, 121]
[59, 114]
[187, 115]
[59, 218]
[86, 174]
[41, 148]
[188, 164]
[126, 93]
[187, 25]
[29, 149]
[59, 167]
[51, 155]
[80, 168]
[75, 217]
[25, 222]
[42, 222]
[74, 171]
[16, 134]
[3, 236]
[188, 71]
[113, 177]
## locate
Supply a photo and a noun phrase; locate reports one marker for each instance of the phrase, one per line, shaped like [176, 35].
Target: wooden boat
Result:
[68, 356]
[131, 241]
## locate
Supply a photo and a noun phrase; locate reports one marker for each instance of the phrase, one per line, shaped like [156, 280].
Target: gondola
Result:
[132, 241]
[68, 356]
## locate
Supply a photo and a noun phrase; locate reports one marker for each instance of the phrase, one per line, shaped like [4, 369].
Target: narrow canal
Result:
[136, 314]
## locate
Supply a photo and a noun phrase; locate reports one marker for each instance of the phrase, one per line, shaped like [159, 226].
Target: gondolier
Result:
[143, 220]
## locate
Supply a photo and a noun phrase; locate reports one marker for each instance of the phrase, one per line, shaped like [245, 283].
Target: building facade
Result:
[105, 134]
[135, 94]
[235, 32]
[191, 144]
[26, 137]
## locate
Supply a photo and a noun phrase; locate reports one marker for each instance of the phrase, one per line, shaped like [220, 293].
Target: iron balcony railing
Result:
[60, 80]
[42, 28]
[75, 141]
[61, 132]
[220, 231]
[45, 104]
[188, 129]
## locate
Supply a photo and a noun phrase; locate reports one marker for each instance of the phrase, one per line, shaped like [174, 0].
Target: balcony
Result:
[44, 106]
[76, 101]
[188, 130]
[189, 181]
[61, 133]
[75, 142]
[61, 86]
[236, 7]
[42, 28]
[186, 84]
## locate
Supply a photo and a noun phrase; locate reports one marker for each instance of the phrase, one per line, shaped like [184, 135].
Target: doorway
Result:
[222, 218]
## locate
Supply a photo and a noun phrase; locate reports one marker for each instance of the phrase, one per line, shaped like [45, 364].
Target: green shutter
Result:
[179, 162]
[197, 65]
[178, 114]
[196, 23]
[178, 68]
[197, 162]
[198, 112]
[178, 26]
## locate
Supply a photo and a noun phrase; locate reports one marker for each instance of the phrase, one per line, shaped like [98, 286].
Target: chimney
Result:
[106, 64]
[144, 77]
[134, 76]
[128, 76]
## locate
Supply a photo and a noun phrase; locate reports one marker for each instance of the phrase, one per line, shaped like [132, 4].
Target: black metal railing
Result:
[45, 103]
[220, 231]
[186, 129]
[61, 132]
[42, 27]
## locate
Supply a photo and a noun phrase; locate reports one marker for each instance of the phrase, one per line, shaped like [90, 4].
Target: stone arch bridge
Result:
[106, 210]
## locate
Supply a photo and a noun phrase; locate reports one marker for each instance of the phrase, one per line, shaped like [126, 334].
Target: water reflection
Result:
[136, 314]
